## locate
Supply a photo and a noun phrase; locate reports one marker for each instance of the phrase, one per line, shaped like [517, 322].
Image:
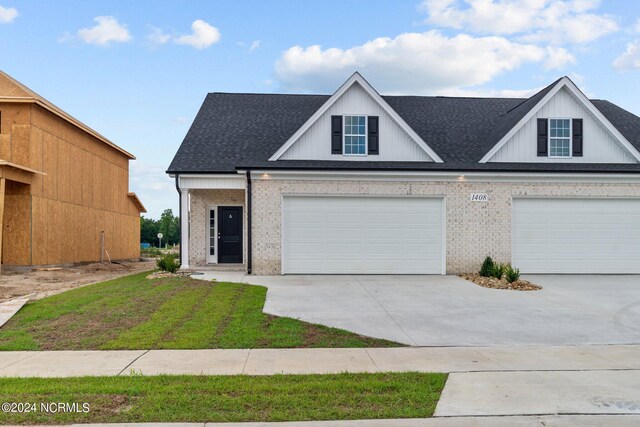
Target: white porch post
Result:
[184, 228]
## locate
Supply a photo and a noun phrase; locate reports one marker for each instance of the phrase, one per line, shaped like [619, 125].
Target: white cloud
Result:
[637, 27]
[154, 187]
[106, 30]
[630, 58]
[558, 58]
[157, 36]
[409, 63]
[202, 35]
[552, 21]
[255, 45]
[7, 14]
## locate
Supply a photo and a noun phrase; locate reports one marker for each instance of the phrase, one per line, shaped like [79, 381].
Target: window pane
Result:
[354, 135]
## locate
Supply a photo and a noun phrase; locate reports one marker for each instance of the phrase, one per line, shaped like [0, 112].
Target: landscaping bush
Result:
[511, 274]
[498, 270]
[487, 267]
[168, 263]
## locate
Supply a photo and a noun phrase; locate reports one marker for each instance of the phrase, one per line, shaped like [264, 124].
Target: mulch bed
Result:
[492, 282]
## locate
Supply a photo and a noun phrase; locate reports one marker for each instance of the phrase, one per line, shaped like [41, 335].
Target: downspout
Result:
[248, 222]
[179, 213]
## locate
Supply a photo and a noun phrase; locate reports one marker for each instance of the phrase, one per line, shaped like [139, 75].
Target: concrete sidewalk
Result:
[519, 421]
[11, 307]
[318, 361]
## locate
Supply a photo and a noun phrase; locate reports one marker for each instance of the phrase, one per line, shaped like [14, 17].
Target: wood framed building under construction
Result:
[64, 188]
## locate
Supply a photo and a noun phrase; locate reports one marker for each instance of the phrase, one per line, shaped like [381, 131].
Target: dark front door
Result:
[229, 234]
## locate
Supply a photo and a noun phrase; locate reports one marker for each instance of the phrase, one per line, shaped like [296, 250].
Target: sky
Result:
[138, 71]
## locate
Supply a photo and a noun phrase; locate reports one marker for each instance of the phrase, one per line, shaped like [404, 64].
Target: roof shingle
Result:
[234, 131]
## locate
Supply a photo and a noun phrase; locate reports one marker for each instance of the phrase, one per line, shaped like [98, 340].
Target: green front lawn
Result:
[226, 398]
[177, 313]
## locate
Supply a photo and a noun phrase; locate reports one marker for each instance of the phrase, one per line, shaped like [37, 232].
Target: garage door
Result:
[576, 235]
[362, 235]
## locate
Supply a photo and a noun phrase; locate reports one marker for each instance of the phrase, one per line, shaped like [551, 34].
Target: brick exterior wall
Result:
[201, 200]
[473, 229]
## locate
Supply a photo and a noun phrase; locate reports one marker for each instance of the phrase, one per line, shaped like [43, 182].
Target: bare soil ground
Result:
[54, 281]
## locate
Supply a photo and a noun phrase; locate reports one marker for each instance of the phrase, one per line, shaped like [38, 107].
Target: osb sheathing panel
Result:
[70, 159]
[20, 145]
[36, 155]
[64, 232]
[51, 123]
[49, 166]
[85, 191]
[5, 146]
[14, 114]
[17, 175]
[16, 241]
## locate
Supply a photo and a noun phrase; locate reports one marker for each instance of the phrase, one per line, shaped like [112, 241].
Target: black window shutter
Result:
[336, 134]
[577, 137]
[542, 137]
[373, 138]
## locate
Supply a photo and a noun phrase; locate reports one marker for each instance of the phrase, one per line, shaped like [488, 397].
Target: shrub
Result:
[168, 263]
[511, 274]
[498, 270]
[487, 267]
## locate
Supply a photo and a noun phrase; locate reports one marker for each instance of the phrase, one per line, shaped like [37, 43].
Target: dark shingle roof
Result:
[234, 131]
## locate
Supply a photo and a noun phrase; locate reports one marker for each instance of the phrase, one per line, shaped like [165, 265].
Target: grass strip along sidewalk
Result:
[171, 313]
[223, 398]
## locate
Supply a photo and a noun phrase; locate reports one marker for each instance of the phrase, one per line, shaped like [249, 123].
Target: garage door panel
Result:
[576, 235]
[367, 235]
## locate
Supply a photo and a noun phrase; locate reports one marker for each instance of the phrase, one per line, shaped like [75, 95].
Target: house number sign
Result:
[479, 197]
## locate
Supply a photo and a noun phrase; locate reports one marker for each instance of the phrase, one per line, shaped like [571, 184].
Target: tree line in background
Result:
[168, 225]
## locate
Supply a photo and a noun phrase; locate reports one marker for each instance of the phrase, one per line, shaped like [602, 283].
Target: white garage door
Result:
[362, 235]
[576, 235]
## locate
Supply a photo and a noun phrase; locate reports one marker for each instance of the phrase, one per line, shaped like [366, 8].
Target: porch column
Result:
[2, 186]
[184, 228]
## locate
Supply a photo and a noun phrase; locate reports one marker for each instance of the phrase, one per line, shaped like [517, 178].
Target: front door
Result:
[229, 234]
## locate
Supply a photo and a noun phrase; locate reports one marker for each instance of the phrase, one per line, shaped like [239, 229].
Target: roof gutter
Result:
[249, 254]
[179, 212]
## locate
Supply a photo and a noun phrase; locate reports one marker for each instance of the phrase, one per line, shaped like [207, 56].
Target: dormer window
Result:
[355, 135]
[559, 137]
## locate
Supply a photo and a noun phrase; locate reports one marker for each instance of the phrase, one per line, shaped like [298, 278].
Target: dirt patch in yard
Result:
[45, 282]
[492, 282]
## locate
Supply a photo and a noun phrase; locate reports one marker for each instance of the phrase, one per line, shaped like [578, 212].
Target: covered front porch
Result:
[214, 222]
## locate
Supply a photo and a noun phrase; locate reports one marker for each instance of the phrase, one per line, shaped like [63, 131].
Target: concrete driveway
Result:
[449, 311]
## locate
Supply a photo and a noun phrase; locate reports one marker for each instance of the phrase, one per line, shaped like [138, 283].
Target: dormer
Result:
[356, 124]
[564, 126]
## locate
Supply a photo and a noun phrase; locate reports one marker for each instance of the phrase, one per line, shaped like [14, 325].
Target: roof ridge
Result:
[536, 94]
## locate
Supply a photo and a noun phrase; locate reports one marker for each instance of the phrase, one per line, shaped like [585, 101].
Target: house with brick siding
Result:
[361, 183]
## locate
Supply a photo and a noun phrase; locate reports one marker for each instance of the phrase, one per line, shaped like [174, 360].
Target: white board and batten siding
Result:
[362, 235]
[395, 143]
[599, 146]
[576, 235]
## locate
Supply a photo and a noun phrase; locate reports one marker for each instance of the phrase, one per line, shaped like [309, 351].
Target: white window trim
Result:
[570, 156]
[208, 240]
[366, 135]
